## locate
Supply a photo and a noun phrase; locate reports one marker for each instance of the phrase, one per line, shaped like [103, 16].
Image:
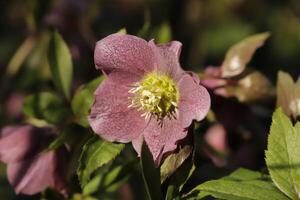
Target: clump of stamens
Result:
[155, 95]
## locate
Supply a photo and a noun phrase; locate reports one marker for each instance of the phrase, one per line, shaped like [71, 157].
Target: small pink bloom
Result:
[13, 105]
[215, 137]
[29, 169]
[146, 95]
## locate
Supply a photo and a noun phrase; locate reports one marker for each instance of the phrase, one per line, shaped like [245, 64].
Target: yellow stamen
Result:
[155, 95]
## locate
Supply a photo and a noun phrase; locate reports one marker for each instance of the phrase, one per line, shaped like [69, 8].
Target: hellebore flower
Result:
[146, 96]
[29, 170]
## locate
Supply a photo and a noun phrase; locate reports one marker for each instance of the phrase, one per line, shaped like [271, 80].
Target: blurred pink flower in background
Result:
[30, 169]
[215, 138]
[13, 105]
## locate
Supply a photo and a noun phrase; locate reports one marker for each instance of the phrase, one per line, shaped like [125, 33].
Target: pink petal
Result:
[194, 76]
[124, 78]
[213, 71]
[167, 58]
[126, 53]
[213, 83]
[110, 116]
[194, 101]
[17, 143]
[160, 139]
[215, 137]
[34, 175]
[7, 130]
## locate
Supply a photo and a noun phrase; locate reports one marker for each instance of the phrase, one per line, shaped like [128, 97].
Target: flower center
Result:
[156, 95]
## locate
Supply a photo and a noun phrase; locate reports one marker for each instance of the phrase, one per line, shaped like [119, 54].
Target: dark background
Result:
[207, 28]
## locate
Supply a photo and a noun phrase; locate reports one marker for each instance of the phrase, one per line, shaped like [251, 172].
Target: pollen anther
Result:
[155, 95]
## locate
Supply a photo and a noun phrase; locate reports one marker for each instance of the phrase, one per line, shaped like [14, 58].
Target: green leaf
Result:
[83, 101]
[241, 53]
[109, 179]
[242, 184]
[163, 33]
[180, 177]
[96, 153]
[77, 196]
[60, 61]
[68, 135]
[150, 174]
[173, 161]
[190, 169]
[21, 55]
[122, 31]
[46, 106]
[117, 177]
[283, 154]
[93, 185]
[144, 32]
[260, 86]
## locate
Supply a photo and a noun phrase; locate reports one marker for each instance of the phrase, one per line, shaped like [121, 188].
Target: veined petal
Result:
[161, 137]
[111, 118]
[127, 53]
[167, 58]
[194, 102]
[35, 174]
[18, 143]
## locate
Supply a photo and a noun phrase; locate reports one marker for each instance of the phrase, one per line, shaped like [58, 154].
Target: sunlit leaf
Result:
[242, 184]
[288, 94]
[123, 31]
[150, 174]
[180, 177]
[96, 153]
[260, 86]
[283, 154]
[109, 179]
[117, 176]
[82, 197]
[46, 106]
[163, 33]
[83, 101]
[60, 61]
[20, 55]
[37, 60]
[173, 161]
[94, 184]
[144, 32]
[241, 53]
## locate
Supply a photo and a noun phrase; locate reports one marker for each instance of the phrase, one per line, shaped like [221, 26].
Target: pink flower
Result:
[29, 169]
[146, 95]
[215, 137]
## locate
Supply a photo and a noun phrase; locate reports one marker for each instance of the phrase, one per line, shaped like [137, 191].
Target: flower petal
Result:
[167, 58]
[124, 78]
[215, 137]
[33, 175]
[160, 138]
[125, 53]
[17, 143]
[194, 101]
[110, 116]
